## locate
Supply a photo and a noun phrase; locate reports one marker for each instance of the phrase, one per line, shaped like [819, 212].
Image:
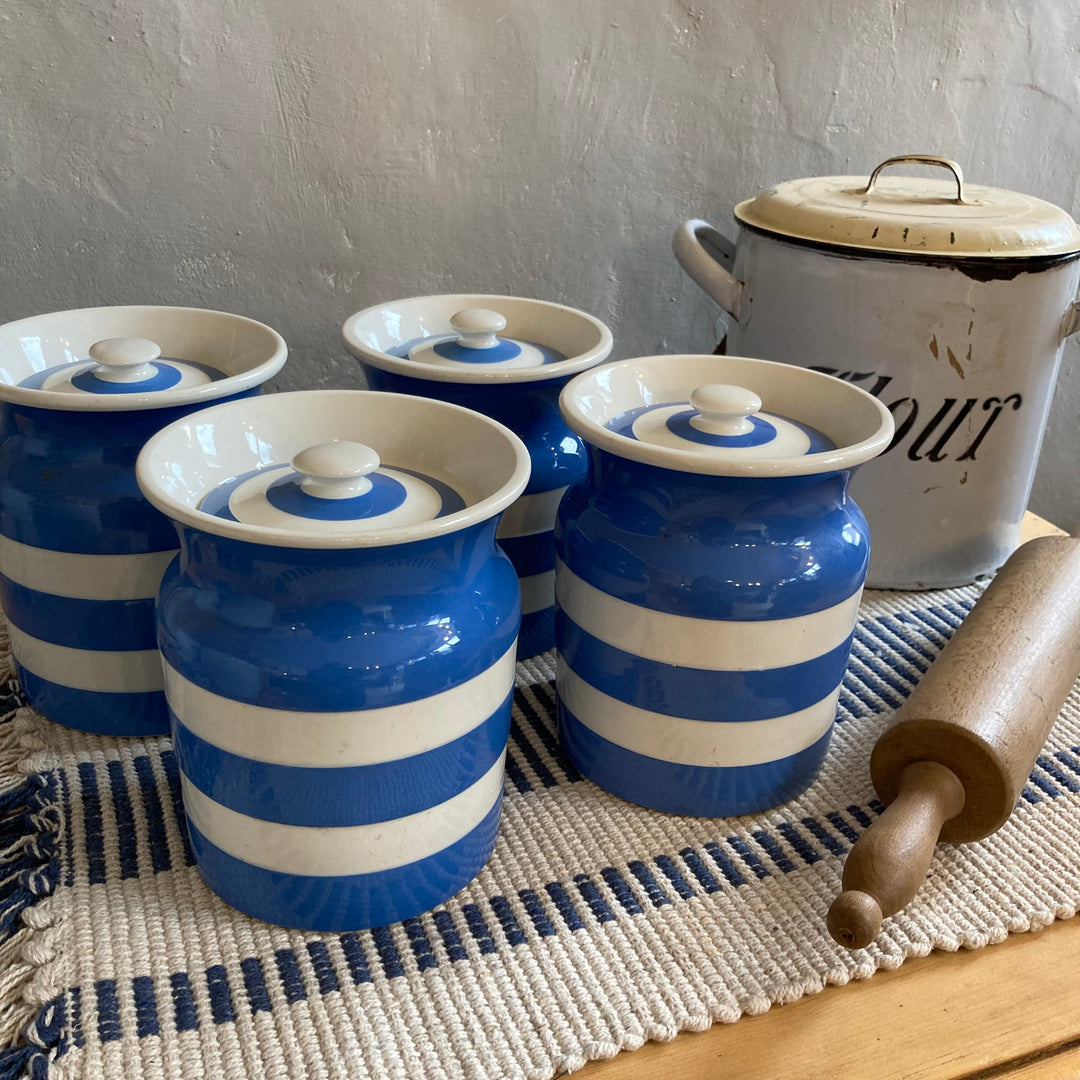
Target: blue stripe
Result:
[534, 907]
[289, 973]
[255, 985]
[700, 870]
[740, 847]
[126, 835]
[185, 1016]
[565, 904]
[146, 1014]
[840, 822]
[96, 711]
[474, 920]
[545, 695]
[101, 625]
[108, 1010]
[695, 693]
[798, 842]
[451, 939]
[648, 883]
[155, 815]
[824, 837]
[346, 902]
[389, 957]
[754, 549]
[164, 376]
[530, 411]
[537, 633]
[348, 795]
[356, 959]
[508, 921]
[727, 867]
[337, 629]
[323, 967]
[530, 554]
[172, 776]
[452, 350]
[591, 895]
[694, 790]
[217, 988]
[621, 890]
[671, 872]
[521, 742]
[514, 772]
[774, 851]
[421, 947]
[92, 823]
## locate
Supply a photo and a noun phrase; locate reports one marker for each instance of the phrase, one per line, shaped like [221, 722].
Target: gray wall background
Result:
[296, 160]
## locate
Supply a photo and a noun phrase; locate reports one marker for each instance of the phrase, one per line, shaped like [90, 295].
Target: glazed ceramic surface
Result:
[338, 636]
[709, 574]
[81, 552]
[948, 301]
[509, 358]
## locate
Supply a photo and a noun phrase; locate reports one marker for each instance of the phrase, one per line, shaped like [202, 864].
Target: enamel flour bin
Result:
[507, 357]
[950, 302]
[338, 636]
[81, 551]
[710, 568]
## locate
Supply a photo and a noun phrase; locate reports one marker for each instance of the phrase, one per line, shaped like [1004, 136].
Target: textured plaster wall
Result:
[295, 160]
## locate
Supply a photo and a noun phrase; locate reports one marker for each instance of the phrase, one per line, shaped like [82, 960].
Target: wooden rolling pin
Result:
[953, 761]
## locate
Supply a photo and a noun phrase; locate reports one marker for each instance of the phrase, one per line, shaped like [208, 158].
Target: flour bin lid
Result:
[914, 216]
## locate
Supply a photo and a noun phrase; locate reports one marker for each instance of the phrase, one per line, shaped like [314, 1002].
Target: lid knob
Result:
[336, 470]
[724, 409]
[124, 359]
[477, 327]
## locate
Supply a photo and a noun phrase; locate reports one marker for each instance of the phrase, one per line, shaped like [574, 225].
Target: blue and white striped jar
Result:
[709, 575]
[81, 552]
[338, 636]
[509, 358]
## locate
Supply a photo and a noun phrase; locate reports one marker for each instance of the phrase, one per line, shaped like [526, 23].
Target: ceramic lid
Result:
[122, 366]
[339, 487]
[333, 468]
[477, 338]
[115, 359]
[914, 215]
[719, 419]
[726, 416]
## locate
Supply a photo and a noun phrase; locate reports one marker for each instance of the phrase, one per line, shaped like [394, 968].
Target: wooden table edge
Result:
[970, 1015]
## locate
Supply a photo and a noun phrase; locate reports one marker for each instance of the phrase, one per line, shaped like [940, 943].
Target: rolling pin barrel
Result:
[953, 761]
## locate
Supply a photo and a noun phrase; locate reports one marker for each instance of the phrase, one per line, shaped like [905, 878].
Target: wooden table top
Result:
[1011, 1009]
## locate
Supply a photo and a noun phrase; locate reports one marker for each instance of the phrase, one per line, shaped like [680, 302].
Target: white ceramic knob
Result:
[723, 409]
[124, 359]
[478, 328]
[336, 470]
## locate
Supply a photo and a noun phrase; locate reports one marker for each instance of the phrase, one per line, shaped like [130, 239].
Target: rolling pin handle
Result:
[854, 919]
[890, 860]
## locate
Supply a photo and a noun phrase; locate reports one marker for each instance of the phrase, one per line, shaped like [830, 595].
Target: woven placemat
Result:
[596, 926]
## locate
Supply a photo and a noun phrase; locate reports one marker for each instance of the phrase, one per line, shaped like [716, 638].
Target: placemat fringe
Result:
[31, 986]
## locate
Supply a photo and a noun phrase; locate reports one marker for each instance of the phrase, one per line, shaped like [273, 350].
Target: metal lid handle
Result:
[336, 470]
[922, 159]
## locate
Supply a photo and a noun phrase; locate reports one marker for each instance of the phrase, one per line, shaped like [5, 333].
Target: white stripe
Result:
[329, 739]
[85, 577]
[88, 669]
[347, 849]
[711, 644]
[694, 742]
[537, 592]
[531, 513]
